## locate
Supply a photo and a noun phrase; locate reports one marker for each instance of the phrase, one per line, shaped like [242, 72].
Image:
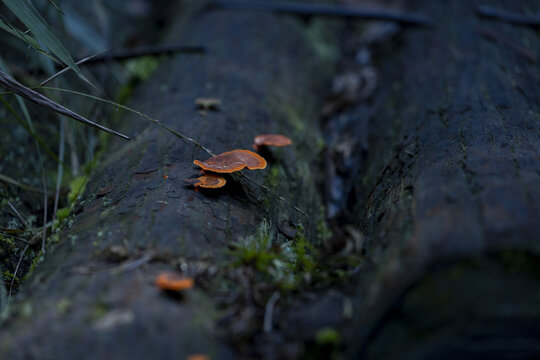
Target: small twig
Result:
[269, 311]
[11, 84]
[18, 214]
[67, 68]
[134, 264]
[39, 230]
[56, 7]
[124, 54]
[28, 244]
[507, 16]
[14, 237]
[17, 270]
[12, 181]
[155, 121]
[117, 269]
[308, 9]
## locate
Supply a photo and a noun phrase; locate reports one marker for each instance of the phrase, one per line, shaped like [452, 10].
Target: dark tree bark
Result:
[267, 71]
[453, 196]
[448, 203]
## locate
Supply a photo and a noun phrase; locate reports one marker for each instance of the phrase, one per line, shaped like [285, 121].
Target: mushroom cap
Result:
[198, 357]
[207, 103]
[232, 161]
[272, 140]
[173, 281]
[208, 181]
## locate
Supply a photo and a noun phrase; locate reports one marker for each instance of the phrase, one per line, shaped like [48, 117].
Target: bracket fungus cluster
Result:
[225, 163]
[232, 161]
[235, 160]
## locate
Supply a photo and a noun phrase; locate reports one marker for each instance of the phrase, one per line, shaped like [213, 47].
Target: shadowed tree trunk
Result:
[452, 200]
[94, 296]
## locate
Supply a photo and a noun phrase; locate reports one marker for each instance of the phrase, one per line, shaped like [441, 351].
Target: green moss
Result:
[275, 175]
[323, 231]
[327, 336]
[142, 67]
[62, 214]
[255, 249]
[283, 265]
[8, 242]
[99, 311]
[63, 306]
[9, 276]
[76, 186]
[304, 254]
[318, 36]
[321, 144]
[36, 260]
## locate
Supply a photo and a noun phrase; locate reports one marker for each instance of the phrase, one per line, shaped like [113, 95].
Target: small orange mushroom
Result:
[207, 103]
[198, 357]
[272, 140]
[173, 281]
[208, 181]
[232, 161]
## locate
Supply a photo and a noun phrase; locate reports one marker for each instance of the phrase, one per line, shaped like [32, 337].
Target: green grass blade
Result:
[27, 13]
[8, 83]
[7, 27]
[56, 7]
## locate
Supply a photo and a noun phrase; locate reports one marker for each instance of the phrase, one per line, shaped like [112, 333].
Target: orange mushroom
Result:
[173, 281]
[207, 103]
[198, 357]
[270, 140]
[232, 161]
[208, 181]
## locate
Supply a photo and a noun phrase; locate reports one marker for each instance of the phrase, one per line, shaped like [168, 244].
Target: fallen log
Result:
[452, 199]
[94, 295]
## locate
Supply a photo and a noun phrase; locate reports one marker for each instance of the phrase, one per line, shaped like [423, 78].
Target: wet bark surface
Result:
[94, 295]
[439, 202]
[450, 197]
